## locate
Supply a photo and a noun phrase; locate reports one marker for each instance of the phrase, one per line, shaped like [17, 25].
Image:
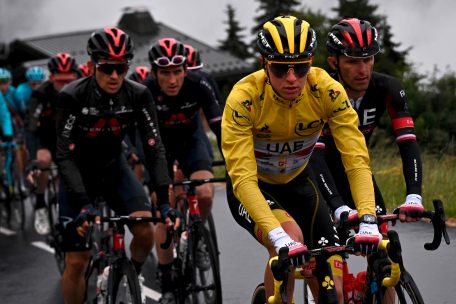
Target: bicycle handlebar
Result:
[127, 219]
[198, 182]
[437, 218]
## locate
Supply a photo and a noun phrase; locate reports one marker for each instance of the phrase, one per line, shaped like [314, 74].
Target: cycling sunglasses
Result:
[108, 68]
[164, 62]
[280, 69]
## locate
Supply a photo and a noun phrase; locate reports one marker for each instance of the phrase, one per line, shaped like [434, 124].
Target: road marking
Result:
[6, 231]
[150, 293]
[44, 246]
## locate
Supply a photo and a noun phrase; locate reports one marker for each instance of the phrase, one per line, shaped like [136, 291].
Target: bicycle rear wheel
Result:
[259, 294]
[123, 284]
[206, 285]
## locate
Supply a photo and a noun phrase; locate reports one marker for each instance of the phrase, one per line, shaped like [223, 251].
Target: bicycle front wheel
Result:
[405, 292]
[123, 284]
[206, 285]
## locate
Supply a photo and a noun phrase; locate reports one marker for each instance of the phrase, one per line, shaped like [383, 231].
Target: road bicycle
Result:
[110, 259]
[197, 283]
[12, 195]
[54, 238]
[385, 268]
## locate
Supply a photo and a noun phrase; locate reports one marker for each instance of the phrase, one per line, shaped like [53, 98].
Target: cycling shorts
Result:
[299, 201]
[193, 154]
[116, 184]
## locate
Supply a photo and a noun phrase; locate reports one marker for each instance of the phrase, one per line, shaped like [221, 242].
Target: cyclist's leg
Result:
[44, 158]
[196, 163]
[304, 202]
[242, 217]
[77, 253]
[73, 281]
[130, 199]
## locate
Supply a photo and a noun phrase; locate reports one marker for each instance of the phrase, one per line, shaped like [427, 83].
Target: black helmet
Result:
[63, 63]
[110, 43]
[353, 38]
[168, 51]
[287, 38]
[140, 74]
[193, 58]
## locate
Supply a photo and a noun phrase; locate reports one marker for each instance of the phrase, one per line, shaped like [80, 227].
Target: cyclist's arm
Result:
[211, 109]
[238, 151]
[324, 177]
[404, 132]
[5, 118]
[66, 119]
[343, 122]
[154, 149]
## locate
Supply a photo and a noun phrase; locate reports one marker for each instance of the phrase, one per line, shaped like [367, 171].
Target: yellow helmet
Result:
[287, 38]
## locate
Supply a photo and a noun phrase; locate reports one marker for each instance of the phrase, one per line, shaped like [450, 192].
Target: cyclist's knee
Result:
[76, 262]
[44, 158]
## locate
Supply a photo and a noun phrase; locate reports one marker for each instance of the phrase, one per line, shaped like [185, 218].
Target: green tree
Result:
[321, 24]
[269, 9]
[233, 42]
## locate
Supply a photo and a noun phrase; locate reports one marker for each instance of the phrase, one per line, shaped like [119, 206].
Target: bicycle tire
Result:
[405, 292]
[259, 295]
[206, 287]
[211, 227]
[123, 284]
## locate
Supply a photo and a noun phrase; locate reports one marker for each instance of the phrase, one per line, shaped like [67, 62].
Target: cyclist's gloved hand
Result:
[88, 212]
[297, 252]
[352, 214]
[171, 216]
[367, 240]
[412, 209]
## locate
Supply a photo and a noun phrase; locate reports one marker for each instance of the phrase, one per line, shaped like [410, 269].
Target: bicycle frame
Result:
[280, 265]
[192, 224]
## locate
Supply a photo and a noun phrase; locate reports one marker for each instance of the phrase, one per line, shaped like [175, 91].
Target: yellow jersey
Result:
[269, 138]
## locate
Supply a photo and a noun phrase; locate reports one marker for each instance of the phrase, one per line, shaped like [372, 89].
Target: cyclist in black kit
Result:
[179, 95]
[41, 122]
[93, 116]
[352, 45]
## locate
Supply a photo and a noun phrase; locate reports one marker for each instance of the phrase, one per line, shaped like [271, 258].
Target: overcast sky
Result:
[422, 24]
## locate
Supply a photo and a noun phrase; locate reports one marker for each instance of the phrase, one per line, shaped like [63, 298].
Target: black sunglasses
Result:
[108, 68]
[280, 70]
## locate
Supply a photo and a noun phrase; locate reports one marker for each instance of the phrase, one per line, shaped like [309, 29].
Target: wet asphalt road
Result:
[28, 273]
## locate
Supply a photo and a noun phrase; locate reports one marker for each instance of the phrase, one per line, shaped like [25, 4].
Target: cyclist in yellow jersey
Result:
[271, 122]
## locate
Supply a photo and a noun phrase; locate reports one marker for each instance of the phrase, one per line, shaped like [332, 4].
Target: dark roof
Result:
[144, 32]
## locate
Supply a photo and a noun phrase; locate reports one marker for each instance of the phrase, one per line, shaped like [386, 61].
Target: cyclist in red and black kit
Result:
[93, 116]
[352, 45]
[179, 95]
[41, 122]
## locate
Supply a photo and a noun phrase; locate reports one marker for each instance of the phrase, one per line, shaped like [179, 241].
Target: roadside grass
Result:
[439, 179]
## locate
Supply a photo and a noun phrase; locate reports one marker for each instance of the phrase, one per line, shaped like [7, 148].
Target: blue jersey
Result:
[5, 118]
[10, 98]
[23, 95]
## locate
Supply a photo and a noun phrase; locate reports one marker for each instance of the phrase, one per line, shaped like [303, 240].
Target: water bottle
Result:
[102, 285]
[183, 243]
